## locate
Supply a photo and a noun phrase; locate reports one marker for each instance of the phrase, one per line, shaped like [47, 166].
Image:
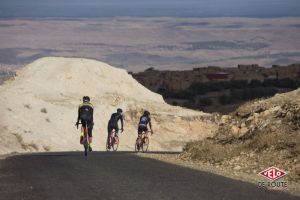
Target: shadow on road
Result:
[94, 153]
[116, 175]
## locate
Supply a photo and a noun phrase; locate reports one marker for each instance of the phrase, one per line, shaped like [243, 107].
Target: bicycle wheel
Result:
[85, 140]
[115, 143]
[145, 144]
[107, 145]
[136, 146]
[86, 146]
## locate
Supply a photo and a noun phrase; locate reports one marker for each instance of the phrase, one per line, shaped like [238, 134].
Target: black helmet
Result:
[147, 113]
[119, 110]
[86, 99]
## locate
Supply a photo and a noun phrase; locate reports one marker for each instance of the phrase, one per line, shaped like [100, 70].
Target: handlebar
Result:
[145, 132]
[76, 124]
[119, 131]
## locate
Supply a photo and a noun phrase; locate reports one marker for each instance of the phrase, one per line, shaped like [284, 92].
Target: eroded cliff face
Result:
[39, 108]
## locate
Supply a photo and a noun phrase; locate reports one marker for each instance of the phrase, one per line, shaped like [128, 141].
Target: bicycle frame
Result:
[85, 140]
[112, 141]
[111, 137]
[143, 135]
[85, 134]
[140, 141]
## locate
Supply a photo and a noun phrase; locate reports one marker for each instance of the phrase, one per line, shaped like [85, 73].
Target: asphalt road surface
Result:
[115, 176]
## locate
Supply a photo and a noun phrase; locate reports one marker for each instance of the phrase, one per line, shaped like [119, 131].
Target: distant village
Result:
[181, 80]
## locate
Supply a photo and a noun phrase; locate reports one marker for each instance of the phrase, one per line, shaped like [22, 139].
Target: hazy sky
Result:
[153, 8]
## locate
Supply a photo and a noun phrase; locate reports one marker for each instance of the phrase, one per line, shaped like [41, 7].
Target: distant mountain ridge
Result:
[133, 8]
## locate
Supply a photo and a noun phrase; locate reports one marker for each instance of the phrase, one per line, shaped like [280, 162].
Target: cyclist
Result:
[113, 123]
[85, 115]
[144, 121]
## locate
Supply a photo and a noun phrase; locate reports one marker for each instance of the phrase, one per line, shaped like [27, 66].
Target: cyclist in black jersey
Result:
[113, 122]
[85, 115]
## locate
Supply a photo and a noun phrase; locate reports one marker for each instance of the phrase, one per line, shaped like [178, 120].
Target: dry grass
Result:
[258, 153]
[212, 150]
[274, 140]
[207, 150]
[46, 148]
[32, 146]
[277, 141]
[24, 145]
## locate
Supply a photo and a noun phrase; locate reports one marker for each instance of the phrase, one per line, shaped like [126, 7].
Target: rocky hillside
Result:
[39, 108]
[258, 135]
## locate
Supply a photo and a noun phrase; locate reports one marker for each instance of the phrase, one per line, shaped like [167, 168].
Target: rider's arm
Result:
[150, 125]
[139, 121]
[121, 118]
[78, 115]
[93, 115]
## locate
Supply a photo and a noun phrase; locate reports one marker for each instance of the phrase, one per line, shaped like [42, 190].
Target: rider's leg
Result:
[140, 131]
[81, 134]
[139, 139]
[90, 133]
[109, 130]
[144, 133]
[82, 131]
[116, 131]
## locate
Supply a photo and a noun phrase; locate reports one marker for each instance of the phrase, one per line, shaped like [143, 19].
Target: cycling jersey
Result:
[115, 117]
[85, 115]
[113, 122]
[144, 120]
[85, 112]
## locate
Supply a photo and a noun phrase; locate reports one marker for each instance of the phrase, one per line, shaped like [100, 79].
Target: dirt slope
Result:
[258, 135]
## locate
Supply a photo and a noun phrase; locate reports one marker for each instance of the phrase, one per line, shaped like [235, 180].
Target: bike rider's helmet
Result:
[146, 113]
[86, 99]
[119, 110]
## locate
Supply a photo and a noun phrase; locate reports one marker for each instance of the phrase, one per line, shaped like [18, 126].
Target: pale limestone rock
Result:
[58, 84]
[235, 130]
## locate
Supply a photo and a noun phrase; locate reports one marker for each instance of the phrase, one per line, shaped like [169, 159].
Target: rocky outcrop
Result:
[39, 108]
[258, 135]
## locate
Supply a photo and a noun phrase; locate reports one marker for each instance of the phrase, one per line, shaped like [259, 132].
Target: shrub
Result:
[174, 103]
[205, 102]
[286, 83]
[255, 83]
[270, 83]
[224, 99]
[236, 95]
[161, 90]
[238, 84]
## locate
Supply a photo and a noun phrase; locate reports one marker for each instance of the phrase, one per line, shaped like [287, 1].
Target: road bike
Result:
[142, 142]
[85, 140]
[112, 141]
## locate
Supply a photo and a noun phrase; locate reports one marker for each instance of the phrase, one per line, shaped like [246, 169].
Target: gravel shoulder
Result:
[293, 187]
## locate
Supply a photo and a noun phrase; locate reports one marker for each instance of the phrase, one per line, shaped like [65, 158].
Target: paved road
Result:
[115, 176]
